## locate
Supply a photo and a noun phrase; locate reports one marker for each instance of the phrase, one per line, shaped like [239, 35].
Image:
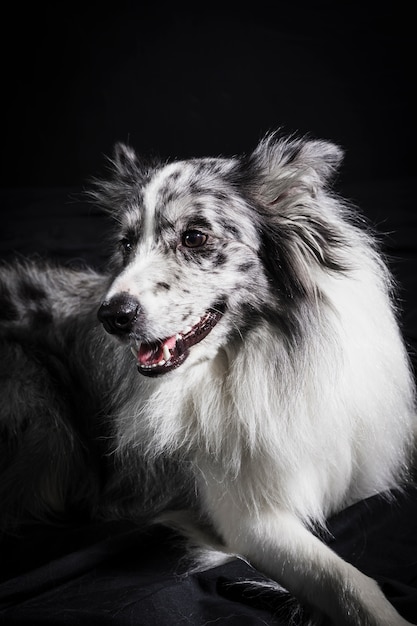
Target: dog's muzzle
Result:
[122, 315]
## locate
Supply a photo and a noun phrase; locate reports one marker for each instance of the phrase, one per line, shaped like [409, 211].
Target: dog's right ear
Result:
[126, 174]
[125, 162]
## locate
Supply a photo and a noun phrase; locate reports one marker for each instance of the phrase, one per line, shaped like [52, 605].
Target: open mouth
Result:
[160, 357]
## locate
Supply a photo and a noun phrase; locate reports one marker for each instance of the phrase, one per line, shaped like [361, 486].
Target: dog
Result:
[246, 330]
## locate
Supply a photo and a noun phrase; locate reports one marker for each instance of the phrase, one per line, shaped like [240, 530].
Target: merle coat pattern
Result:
[267, 365]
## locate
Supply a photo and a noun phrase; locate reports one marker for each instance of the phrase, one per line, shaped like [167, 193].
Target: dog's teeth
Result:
[149, 367]
[178, 337]
[133, 351]
[167, 353]
[187, 330]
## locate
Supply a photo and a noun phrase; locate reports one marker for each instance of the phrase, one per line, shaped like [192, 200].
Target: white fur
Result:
[281, 430]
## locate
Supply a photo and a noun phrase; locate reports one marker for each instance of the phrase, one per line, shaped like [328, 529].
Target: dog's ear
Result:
[126, 173]
[288, 166]
[299, 219]
[125, 162]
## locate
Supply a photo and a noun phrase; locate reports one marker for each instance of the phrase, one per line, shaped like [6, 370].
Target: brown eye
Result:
[193, 239]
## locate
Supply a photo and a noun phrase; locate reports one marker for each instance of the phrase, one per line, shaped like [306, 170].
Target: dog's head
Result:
[206, 247]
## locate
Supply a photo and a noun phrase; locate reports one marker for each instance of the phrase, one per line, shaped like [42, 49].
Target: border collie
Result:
[267, 362]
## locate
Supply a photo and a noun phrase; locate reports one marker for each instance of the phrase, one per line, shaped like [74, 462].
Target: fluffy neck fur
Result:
[281, 415]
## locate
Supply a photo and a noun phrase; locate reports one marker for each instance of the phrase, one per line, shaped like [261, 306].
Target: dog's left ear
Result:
[291, 166]
[299, 219]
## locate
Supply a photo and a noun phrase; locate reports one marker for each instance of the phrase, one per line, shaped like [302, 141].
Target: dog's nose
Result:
[118, 314]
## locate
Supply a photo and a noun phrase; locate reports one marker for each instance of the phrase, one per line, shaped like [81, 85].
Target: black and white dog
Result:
[271, 366]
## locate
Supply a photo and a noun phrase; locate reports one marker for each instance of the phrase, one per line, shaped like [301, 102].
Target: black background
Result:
[182, 82]
[207, 79]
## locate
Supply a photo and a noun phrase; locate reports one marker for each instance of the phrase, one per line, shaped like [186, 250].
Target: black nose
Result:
[119, 314]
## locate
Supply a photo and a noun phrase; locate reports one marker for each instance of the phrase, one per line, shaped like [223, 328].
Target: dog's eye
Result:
[126, 246]
[193, 239]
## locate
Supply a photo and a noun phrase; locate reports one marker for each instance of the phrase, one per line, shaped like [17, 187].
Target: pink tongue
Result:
[153, 353]
[150, 353]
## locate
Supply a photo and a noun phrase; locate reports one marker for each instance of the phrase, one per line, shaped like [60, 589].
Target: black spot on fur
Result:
[166, 197]
[249, 317]
[8, 311]
[245, 267]
[220, 195]
[168, 192]
[219, 259]
[199, 222]
[163, 225]
[283, 246]
[230, 228]
[221, 304]
[35, 302]
[42, 316]
[175, 176]
[29, 291]
[186, 315]
[200, 169]
[162, 285]
[279, 265]
[287, 318]
[196, 187]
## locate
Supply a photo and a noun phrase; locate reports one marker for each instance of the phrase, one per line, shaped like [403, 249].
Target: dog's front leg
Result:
[279, 545]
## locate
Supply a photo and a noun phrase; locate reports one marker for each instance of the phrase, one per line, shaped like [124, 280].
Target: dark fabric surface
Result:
[118, 574]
